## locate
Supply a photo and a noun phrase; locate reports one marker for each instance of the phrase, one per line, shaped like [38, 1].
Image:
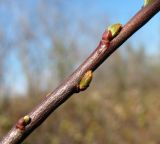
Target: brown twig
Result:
[68, 87]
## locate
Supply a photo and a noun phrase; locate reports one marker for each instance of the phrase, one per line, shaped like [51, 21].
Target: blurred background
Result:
[43, 41]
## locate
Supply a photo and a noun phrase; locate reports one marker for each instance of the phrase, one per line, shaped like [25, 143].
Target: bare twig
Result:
[22, 129]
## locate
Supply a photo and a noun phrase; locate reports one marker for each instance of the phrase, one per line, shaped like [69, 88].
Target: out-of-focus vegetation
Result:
[121, 105]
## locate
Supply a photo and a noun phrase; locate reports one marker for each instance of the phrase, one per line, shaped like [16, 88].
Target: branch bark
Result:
[67, 88]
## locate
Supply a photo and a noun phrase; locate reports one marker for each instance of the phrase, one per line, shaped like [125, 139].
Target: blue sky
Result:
[121, 11]
[95, 14]
[90, 11]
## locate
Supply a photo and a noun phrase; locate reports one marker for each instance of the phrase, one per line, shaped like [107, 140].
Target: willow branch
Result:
[67, 88]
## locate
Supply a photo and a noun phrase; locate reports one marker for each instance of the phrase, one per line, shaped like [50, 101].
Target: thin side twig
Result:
[67, 88]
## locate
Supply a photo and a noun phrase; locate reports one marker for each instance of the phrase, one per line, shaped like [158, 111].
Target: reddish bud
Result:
[20, 124]
[107, 35]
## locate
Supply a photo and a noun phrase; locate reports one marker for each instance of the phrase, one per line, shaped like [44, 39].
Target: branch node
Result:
[23, 122]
